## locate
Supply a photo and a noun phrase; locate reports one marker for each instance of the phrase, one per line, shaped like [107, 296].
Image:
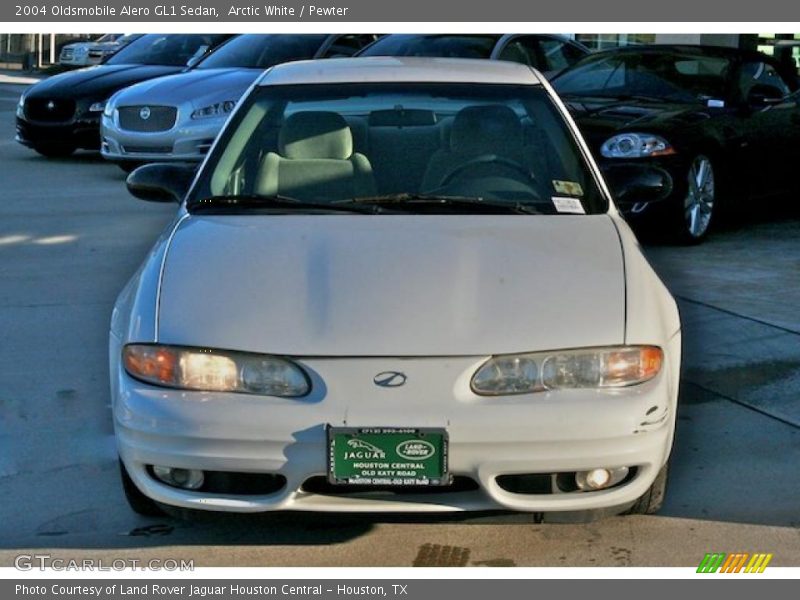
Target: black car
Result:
[547, 53]
[62, 113]
[683, 131]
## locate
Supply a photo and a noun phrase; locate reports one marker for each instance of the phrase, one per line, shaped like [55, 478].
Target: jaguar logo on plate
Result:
[144, 113]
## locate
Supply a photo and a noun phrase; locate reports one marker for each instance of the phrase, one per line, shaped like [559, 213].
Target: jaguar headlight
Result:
[98, 107]
[203, 369]
[636, 145]
[611, 367]
[214, 110]
[21, 106]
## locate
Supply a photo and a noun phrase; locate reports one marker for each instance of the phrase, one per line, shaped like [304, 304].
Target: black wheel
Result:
[129, 165]
[700, 204]
[138, 502]
[653, 499]
[55, 150]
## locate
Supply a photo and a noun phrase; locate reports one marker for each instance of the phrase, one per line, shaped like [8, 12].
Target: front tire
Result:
[652, 500]
[139, 503]
[700, 204]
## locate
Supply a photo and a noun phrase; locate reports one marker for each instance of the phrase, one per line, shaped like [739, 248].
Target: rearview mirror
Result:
[637, 184]
[161, 182]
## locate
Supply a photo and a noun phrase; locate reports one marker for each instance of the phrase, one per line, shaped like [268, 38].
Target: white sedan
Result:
[394, 285]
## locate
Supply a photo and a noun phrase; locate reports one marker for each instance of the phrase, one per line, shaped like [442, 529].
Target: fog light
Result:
[188, 479]
[598, 479]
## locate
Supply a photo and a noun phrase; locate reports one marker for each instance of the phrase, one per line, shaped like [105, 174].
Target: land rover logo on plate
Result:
[389, 379]
[144, 113]
[415, 449]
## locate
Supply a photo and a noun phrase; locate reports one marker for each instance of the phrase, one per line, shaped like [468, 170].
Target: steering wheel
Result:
[487, 159]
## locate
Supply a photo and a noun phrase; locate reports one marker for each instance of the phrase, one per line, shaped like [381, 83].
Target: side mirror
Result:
[761, 95]
[161, 182]
[638, 184]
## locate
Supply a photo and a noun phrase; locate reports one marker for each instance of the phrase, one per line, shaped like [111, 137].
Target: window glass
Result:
[165, 49]
[452, 46]
[255, 51]
[328, 143]
[762, 74]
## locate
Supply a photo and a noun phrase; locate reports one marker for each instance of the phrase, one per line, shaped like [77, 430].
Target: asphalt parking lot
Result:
[70, 236]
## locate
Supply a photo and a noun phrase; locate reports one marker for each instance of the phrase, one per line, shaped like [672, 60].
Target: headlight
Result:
[613, 367]
[21, 106]
[214, 110]
[108, 110]
[636, 145]
[98, 107]
[215, 370]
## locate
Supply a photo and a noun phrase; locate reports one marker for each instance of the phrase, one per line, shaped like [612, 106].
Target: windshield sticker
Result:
[714, 103]
[571, 188]
[568, 205]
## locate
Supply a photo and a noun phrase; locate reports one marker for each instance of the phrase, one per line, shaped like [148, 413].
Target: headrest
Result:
[316, 134]
[491, 129]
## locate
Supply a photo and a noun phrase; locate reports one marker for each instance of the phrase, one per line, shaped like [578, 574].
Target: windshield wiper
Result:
[234, 203]
[471, 203]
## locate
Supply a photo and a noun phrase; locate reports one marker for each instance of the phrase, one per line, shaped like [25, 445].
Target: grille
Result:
[147, 149]
[159, 118]
[43, 109]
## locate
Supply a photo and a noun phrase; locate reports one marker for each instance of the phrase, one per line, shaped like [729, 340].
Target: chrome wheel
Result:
[699, 203]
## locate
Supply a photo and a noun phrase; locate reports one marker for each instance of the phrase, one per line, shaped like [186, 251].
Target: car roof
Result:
[726, 51]
[388, 69]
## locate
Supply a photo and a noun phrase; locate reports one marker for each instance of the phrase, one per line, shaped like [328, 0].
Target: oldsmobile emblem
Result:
[389, 379]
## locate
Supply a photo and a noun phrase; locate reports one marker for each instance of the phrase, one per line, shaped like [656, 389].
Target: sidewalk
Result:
[19, 77]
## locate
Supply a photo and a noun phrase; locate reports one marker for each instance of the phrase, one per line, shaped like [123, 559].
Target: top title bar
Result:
[463, 11]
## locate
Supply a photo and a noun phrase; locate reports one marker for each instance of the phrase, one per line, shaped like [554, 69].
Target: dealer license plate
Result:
[387, 456]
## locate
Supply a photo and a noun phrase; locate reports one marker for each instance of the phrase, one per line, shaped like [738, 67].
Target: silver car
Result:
[176, 118]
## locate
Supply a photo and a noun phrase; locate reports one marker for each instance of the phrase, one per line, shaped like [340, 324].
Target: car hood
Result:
[357, 285]
[96, 82]
[196, 86]
[607, 116]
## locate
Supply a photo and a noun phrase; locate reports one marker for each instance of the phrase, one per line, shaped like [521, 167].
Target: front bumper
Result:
[184, 142]
[532, 434]
[80, 133]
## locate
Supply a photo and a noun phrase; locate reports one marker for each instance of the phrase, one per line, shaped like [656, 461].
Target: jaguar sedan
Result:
[176, 118]
[718, 126]
[394, 285]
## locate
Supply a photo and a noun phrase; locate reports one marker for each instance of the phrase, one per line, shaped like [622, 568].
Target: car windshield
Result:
[262, 51]
[675, 76]
[109, 37]
[448, 46]
[164, 49]
[422, 147]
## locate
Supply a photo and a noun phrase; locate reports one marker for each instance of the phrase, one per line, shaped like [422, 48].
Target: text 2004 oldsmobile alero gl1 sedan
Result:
[394, 285]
